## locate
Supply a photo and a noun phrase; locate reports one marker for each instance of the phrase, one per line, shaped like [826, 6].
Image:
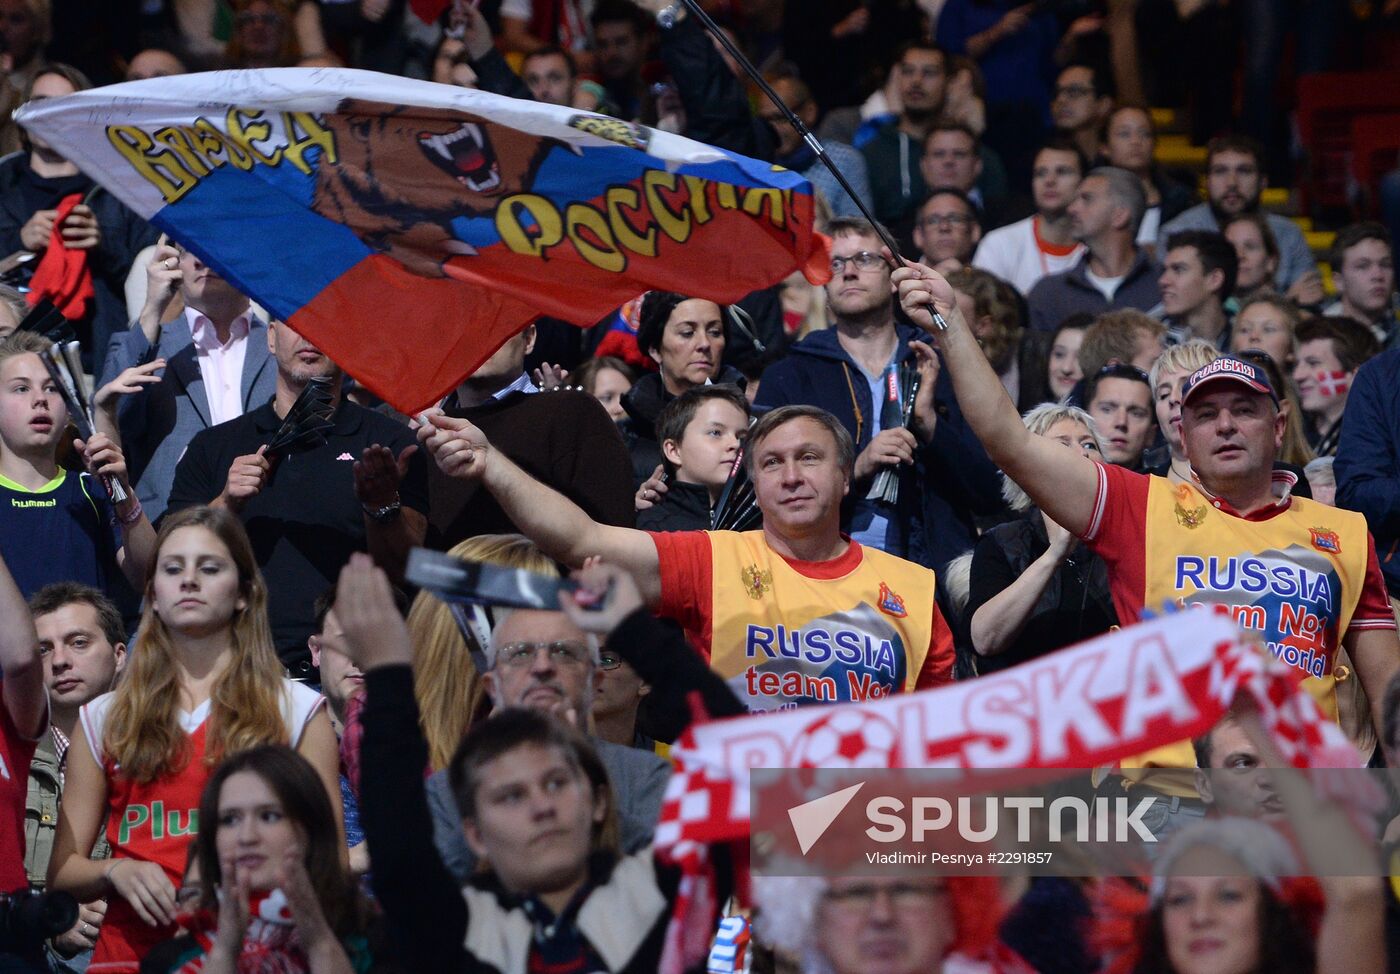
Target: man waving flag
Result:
[359, 207]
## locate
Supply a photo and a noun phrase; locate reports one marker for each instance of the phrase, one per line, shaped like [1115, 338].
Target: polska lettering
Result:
[1046, 716]
[160, 823]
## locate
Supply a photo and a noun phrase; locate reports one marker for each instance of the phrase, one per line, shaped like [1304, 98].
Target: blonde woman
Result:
[203, 683]
[1035, 588]
[446, 682]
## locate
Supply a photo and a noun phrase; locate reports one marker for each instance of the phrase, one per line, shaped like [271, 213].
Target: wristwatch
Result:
[385, 514]
[667, 17]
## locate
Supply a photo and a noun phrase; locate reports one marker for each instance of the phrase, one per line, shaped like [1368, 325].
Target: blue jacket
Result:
[159, 422]
[1368, 458]
[957, 479]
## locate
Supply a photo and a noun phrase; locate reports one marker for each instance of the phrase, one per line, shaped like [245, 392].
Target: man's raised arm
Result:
[548, 518]
[1062, 482]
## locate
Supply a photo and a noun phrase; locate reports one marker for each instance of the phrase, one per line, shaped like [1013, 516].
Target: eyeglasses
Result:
[608, 660]
[864, 261]
[562, 653]
[934, 220]
[904, 896]
[1073, 91]
[266, 20]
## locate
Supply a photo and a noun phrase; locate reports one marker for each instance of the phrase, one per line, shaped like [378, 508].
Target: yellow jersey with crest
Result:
[1293, 574]
[785, 633]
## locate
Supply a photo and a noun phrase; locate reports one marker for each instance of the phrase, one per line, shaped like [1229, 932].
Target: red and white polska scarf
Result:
[1144, 686]
[270, 944]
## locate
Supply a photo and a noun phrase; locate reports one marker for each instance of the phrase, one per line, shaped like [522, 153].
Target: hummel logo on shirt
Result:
[345, 456]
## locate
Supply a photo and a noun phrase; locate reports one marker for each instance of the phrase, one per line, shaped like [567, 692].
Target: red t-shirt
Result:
[15, 755]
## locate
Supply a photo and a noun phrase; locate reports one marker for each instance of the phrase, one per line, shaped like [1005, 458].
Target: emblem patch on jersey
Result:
[1190, 517]
[1324, 540]
[890, 603]
[757, 583]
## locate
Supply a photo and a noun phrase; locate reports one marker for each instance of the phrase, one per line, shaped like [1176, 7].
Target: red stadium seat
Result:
[1327, 104]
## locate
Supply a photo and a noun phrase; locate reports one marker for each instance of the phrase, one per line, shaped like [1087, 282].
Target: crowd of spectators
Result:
[252, 747]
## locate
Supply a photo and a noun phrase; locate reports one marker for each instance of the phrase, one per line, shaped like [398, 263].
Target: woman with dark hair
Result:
[44, 197]
[275, 891]
[203, 683]
[607, 379]
[1256, 252]
[1062, 371]
[686, 338]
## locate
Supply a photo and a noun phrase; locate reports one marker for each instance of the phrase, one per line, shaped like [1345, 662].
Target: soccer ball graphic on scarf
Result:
[847, 738]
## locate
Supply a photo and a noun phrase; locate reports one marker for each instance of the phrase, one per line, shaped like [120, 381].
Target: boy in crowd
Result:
[46, 508]
[701, 433]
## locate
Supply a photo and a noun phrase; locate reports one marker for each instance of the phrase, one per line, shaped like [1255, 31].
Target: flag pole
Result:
[808, 137]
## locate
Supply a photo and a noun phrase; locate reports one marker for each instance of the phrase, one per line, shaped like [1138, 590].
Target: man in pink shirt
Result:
[170, 376]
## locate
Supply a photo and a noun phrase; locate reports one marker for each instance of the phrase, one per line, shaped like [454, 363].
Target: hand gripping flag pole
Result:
[696, 11]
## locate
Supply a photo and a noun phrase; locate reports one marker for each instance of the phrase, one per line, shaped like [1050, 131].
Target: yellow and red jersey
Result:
[784, 632]
[1298, 574]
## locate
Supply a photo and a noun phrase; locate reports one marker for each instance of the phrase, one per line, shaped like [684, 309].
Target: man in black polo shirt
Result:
[309, 508]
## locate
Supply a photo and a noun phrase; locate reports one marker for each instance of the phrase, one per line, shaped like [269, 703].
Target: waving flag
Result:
[408, 228]
[1138, 688]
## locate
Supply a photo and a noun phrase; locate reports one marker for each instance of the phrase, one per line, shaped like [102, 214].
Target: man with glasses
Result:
[947, 230]
[542, 661]
[846, 370]
[1081, 106]
[1234, 183]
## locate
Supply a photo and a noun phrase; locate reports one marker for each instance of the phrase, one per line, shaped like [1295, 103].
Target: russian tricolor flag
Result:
[409, 228]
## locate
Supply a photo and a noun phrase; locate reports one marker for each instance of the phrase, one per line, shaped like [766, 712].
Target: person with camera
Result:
[24, 717]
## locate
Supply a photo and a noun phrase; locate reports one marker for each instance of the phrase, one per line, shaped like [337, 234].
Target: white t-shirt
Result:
[1013, 254]
[299, 704]
[1108, 286]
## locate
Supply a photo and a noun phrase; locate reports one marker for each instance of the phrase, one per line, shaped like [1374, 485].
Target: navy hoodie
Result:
[958, 480]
